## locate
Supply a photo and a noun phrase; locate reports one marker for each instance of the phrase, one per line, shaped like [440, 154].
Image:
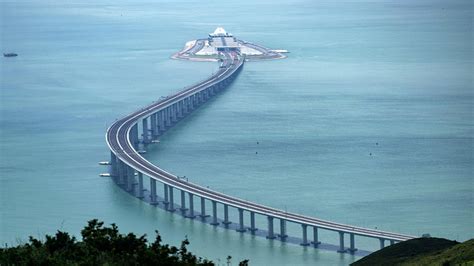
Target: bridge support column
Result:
[171, 205]
[241, 221]
[181, 109]
[174, 113]
[392, 242]
[214, 213]
[191, 206]
[154, 126]
[130, 179]
[315, 241]
[167, 117]
[252, 223]
[226, 215]
[203, 208]
[113, 165]
[161, 121]
[121, 173]
[165, 196]
[283, 234]
[270, 234]
[134, 136]
[183, 202]
[140, 186]
[382, 243]
[341, 249]
[152, 191]
[191, 102]
[305, 242]
[145, 130]
[352, 247]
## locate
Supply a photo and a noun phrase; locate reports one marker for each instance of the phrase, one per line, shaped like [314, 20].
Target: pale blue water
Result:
[396, 73]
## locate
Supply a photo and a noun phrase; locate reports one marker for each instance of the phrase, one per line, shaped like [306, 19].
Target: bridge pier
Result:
[171, 205]
[304, 228]
[270, 234]
[183, 202]
[121, 173]
[154, 127]
[174, 111]
[134, 136]
[167, 117]
[382, 243]
[165, 196]
[130, 178]
[214, 213]
[252, 223]
[140, 185]
[392, 242]
[191, 206]
[341, 249]
[152, 191]
[315, 241]
[283, 234]
[226, 221]
[241, 221]
[161, 121]
[187, 105]
[145, 131]
[203, 208]
[352, 247]
[113, 165]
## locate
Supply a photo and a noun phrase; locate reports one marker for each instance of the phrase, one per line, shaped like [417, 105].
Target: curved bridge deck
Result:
[128, 167]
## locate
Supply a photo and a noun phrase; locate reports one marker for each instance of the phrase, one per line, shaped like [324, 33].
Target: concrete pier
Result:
[191, 206]
[171, 204]
[214, 213]
[283, 234]
[352, 247]
[341, 249]
[140, 186]
[165, 196]
[183, 202]
[203, 208]
[226, 215]
[382, 243]
[153, 191]
[304, 229]
[315, 241]
[154, 126]
[270, 233]
[241, 221]
[252, 223]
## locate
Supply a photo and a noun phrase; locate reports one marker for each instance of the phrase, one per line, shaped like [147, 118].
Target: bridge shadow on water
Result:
[234, 226]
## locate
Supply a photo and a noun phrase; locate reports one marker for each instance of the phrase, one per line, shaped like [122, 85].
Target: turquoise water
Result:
[360, 73]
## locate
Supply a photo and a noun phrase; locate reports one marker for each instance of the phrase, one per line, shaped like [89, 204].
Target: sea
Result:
[368, 122]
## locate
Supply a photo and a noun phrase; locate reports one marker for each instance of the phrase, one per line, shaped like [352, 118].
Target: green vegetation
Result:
[423, 251]
[100, 246]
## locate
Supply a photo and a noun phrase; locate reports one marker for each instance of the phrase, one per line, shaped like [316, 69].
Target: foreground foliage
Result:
[100, 246]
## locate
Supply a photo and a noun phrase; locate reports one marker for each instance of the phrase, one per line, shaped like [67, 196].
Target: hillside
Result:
[422, 251]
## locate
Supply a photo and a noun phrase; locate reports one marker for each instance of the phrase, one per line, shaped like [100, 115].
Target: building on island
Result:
[223, 41]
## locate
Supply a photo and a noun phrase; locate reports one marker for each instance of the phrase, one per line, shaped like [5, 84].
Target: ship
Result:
[9, 54]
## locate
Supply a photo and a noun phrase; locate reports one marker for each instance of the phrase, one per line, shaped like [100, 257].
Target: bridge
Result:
[128, 137]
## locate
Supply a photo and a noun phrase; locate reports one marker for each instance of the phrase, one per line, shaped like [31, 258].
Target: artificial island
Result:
[220, 41]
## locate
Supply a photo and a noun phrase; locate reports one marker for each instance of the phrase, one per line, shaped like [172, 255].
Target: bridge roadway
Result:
[122, 138]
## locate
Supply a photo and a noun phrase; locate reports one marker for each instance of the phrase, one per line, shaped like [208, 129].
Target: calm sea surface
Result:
[368, 122]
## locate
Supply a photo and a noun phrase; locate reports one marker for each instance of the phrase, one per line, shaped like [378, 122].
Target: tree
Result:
[101, 245]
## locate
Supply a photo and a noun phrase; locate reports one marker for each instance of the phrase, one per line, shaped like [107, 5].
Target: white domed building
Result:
[223, 41]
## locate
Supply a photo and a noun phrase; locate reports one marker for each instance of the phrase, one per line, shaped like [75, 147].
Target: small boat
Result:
[9, 54]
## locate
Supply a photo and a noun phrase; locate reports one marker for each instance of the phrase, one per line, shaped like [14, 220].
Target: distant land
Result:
[422, 251]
